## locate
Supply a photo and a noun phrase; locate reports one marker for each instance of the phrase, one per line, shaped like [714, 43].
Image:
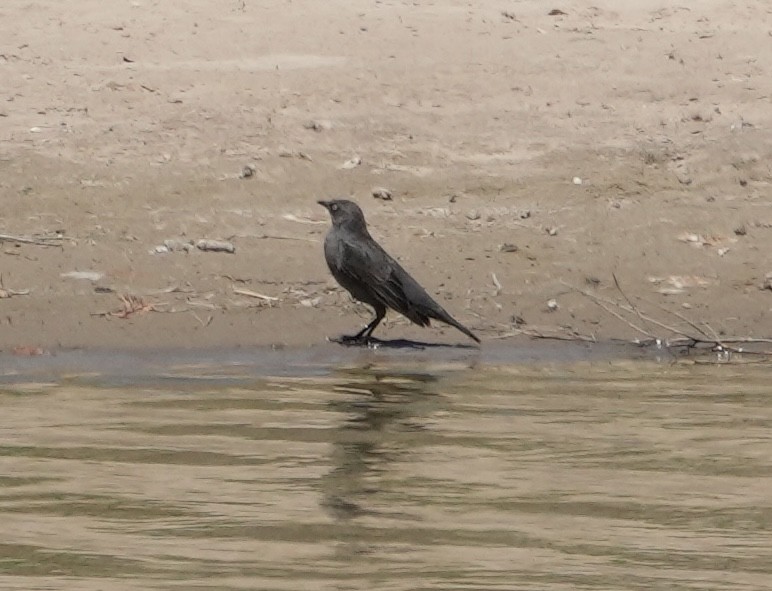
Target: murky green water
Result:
[599, 476]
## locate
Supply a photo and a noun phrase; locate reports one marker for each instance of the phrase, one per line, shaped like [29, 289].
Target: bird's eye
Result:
[334, 207]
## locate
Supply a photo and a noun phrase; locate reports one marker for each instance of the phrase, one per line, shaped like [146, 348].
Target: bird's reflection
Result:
[384, 412]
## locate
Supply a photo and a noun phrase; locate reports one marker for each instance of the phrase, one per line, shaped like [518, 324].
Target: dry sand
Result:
[628, 138]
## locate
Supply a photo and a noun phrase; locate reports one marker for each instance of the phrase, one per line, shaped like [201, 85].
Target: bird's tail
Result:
[454, 323]
[466, 331]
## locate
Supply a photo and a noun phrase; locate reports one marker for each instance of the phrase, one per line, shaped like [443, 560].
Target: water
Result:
[602, 475]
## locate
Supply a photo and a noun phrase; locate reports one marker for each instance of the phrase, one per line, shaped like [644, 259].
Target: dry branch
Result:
[555, 336]
[38, 240]
[700, 339]
[131, 305]
[254, 294]
[9, 293]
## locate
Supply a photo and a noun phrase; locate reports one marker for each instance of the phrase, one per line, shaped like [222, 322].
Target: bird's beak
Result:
[325, 204]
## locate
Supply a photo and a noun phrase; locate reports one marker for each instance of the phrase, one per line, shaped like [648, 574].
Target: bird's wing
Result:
[374, 268]
[368, 264]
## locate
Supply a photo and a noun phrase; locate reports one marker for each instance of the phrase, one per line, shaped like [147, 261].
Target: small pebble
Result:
[175, 244]
[352, 163]
[317, 126]
[381, 193]
[552, 231]
[767, 281]
[508, 247]
[552, 305]
[683, 176]
[248, 171]
[87, 275]
[517, 320]
[576, 180]
[215, 246]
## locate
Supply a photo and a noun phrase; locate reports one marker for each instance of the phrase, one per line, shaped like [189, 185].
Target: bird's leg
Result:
[368, 331]
[363, 336]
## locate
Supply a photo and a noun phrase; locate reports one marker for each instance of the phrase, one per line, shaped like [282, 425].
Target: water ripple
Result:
[596, 476]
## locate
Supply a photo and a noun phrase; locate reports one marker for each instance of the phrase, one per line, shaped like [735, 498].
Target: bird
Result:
[361, 266]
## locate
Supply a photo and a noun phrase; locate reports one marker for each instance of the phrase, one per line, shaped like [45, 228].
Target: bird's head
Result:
[345, 214]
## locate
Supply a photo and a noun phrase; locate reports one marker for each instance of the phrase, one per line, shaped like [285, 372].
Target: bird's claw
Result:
[352, 340]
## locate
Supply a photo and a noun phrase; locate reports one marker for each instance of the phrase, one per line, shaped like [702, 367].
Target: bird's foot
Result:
[352, 340]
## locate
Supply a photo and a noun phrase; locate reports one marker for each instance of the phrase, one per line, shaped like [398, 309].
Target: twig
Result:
[683, 319]
[692, 344]
[745, 340]
[9, 293]
[254, 294]
[131, 305]
[624, 295]
[602, 303]
[704, 339]
[205, 305]
[496, 284]
[707, 337]
[533, 333]
[204, 324]
[715, 334]
[279, 237]
[744, 362]
[40, 241]
[290, 217]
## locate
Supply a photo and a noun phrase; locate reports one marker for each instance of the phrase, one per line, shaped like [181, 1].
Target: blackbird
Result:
[367, 271]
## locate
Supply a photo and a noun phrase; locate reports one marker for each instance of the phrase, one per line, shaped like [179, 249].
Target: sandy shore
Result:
[528, 155]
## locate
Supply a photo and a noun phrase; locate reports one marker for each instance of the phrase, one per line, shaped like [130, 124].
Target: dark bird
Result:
[367, 271]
